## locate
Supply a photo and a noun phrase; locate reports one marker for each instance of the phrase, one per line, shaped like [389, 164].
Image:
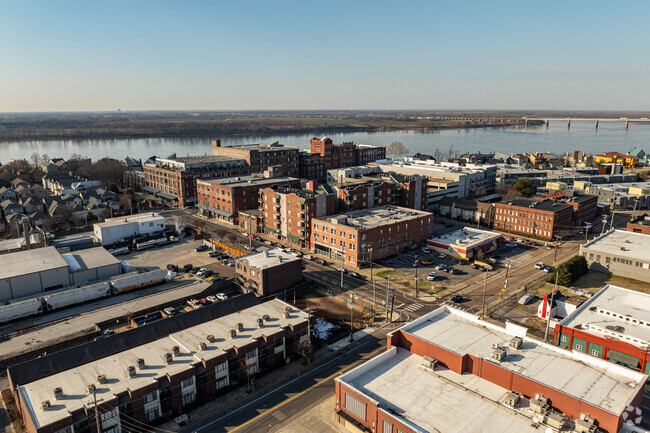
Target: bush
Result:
[568, 272]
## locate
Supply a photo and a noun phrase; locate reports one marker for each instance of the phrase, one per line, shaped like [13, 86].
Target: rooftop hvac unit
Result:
[202, 346]
[58, 392]
[240, 327]
[101, 378]
[584, 424]
[537, 406]
[168, 358]
[430, 363]
[554, 420]
[260, 322]
[91, 388]
[176, 350]
[233, 333]
[266, 317]
[495, 345]
[141, 363]
[131, 370]
[542, 398]
[46, 404]
[512, 399]
[210, 338]
[498, 354]
[515, 342]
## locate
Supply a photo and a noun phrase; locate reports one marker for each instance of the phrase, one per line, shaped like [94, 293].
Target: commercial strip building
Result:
[325, 155]
[141, 378]
[614, 324]
[384, 230]
[32, 272]
[224, 198]
[622, 196]
[269, 272]
[449, 371]
[174, 178]
[260, 156]
[287, 212]
[113, 230]
[619, 252]
[466, 243]
[462, 209]
[543, 219]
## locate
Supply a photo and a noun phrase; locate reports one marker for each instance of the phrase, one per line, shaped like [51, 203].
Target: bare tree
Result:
[397, 148]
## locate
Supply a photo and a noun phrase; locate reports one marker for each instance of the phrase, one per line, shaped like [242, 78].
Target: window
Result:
[109, 414]
[68, 429]
[279, 342]
[221, 367]
[251, 354]
[595, 352]
[152, 396]
[578, 347]
[399, 430]
[187, 382]
[222, 383]
[355, 406]
[188, 398]
[387, 427]
[151, 414]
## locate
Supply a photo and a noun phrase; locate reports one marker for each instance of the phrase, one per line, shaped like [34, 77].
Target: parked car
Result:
[526, 299]
[475, 266]
[194, 270]
[511, 239]
[297, 254]
[457, 298]
[548, 269]
[307, 257]
[203, 301]
[340, 269]
[214, 254]
[442, 256]
[533, 243]
[172, 268]
[171, 311]
[520, 240]
[355, 275]
[231, 263]
[463, 262]
[201, 248]
[222, 296]
[187, 267]
[451, 270]
[427, 262]
[540, 265]
[440, 267]
[431, 276]
[201, 272]
[212, 299]
[596, 231]
[511, 245]
[321, 262]
[268, 242]
[426, 250]
[244, 234]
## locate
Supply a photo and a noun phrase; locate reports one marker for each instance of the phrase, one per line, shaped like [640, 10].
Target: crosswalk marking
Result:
[413, 307]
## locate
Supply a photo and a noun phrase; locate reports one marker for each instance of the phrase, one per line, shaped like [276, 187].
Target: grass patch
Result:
[385, 273]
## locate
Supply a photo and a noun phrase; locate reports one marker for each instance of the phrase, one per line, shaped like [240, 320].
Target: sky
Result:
[354, 54]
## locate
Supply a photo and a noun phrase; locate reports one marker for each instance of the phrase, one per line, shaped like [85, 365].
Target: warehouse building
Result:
[619, 252]
[614, 324]
[31, 272]
[451, 372]
[141, 378]
[467, 243]
[116, 229]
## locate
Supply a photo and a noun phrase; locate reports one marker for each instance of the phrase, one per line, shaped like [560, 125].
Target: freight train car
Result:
[132, 282]
[66, 298]
[20, 309]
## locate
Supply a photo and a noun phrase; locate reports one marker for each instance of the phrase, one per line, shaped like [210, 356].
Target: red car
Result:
[534, 244]
[204, 301]
[511, 238]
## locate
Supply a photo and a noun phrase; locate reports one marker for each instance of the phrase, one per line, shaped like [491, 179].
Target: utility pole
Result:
[342, 268]
[548, 314]
[556, 247]
[387, 292]
[372, 280]
[99, 426]
[586, 232]
[485, 293]
[604, 224]
[416, 276]
[351, 306]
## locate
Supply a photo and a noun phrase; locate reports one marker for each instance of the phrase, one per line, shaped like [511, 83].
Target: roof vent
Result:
[91, 388]
[168, 358]
[240, 327]
[515, 342]
[101, 378]
[131, 370]
[498, 354]
[58, 392]
[202, 346]
[176, 350]
[233, 333]
[260, 322]
[141, 363]
[46, 404]
[210, 338]
[429, 363]
[266, 317]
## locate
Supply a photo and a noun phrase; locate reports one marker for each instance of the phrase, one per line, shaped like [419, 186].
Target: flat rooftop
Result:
[375, 217]
[545, 205]
[248, 180]
[595, 381]
[263, 147]
[467, 237]
[89, 258]
[614, 312]
[30, 261]
[268, 258]
[439, 401]
[74, 382]
[139, 218]
[621, 243]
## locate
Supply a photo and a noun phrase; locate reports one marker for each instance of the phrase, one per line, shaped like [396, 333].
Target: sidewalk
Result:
[319, 419]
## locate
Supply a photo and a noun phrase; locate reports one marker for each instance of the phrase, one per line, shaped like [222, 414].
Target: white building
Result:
[116, 229]
[619, 252]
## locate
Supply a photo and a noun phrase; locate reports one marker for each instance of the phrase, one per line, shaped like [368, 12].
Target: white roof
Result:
[614, 312]
[621, 243]
[139, 218]
[440, 401]
[89, 258]
[595, 381]
[30, 261]
[467, 237]
[268, 258]
[115, 367]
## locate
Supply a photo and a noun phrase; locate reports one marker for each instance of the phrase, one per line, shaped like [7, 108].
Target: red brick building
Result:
[325, 155]
[449, 371]
[174, 179]
[224, 198]
[585, 208]
[638, 227]
[387, 230]
[269, 272]
[287, 212]
[380, 189]
[543, 219]
[260, 156]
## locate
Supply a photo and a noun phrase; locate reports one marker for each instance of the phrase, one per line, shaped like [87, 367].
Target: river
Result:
[556, 139]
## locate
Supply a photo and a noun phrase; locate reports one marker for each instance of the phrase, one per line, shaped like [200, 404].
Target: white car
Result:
[442, 256]
[212, 299]
[426, 250]
[307, 257]
[231, 263]
[431, 276]
[340, 269]
[540, 265]
[222, 296]
[520, 239]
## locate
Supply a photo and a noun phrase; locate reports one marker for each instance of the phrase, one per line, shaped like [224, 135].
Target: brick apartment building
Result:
[260, 156]
[141, 378]
[614, 324]
[387, 230]
[638, 227]
[287, 212]
[174, 179]
[324, 155]
[585, 206]
[543, 219]
[449, 371]
[269, 272]
[224, 198]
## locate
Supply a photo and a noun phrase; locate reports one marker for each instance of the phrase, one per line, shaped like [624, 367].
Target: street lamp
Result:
[372, 279]
[415, 264]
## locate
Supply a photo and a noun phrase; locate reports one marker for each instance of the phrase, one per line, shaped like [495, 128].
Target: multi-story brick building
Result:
[260, 156]
[174, 179]
[287, 211]
[141, 378]
[585, 208]
[325, 155]
[387, 230]
[639, 227]
[449, 371]
[269, 272]
[224, 198]
[543, 219]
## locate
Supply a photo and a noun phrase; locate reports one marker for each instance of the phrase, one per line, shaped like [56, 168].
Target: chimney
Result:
[260, 322]
[25, 222]
[215, 144]
[312, 185]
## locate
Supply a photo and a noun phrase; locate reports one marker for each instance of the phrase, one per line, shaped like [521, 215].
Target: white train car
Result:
[76, 296]
[132, 282]
[20, 309]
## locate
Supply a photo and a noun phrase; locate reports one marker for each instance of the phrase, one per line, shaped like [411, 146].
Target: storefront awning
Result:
[166, 196]
[269, 229]
[222, 213]
[151, 190]
[294, 237]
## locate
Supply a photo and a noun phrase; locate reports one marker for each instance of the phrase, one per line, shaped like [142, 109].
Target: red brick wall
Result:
[638, 228]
